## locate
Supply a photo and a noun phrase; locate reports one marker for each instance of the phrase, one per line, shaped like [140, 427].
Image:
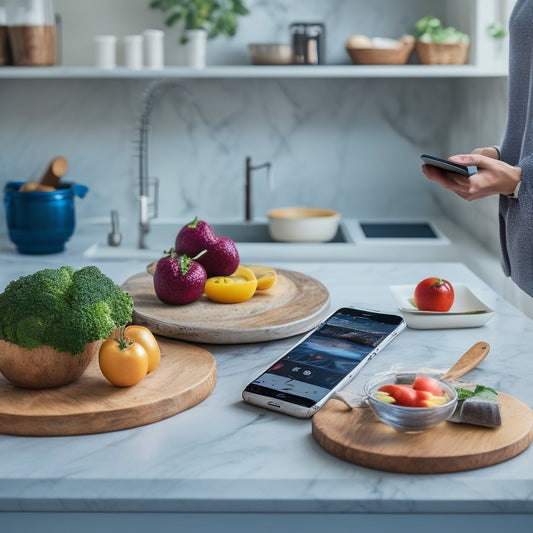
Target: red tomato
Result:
[434, 294]
[403, 394]
[423, 398]
[431, 385]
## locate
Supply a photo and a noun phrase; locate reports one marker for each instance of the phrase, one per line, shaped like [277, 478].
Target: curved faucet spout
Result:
[150, 98]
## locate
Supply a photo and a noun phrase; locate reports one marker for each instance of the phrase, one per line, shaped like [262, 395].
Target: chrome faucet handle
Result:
[270, 177]
[115, 237]
[153, 201]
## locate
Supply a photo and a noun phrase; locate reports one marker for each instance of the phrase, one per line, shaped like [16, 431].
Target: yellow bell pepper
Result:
[233, 289]
[266, 276]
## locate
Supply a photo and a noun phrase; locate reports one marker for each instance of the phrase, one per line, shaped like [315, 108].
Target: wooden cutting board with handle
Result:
[186, 375]
[295, 304]
[358, 436]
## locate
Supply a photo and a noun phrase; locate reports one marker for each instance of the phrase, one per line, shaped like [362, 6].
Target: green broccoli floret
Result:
[63, 308]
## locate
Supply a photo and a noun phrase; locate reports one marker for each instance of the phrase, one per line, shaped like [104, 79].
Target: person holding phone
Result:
[507, 170]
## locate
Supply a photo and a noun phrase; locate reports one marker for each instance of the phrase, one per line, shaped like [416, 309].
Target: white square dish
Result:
[467, 311]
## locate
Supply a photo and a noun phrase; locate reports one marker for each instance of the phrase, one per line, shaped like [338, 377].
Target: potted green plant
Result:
[201, 20]
[437, 44]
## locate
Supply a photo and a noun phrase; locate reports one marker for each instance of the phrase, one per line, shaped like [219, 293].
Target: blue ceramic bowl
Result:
[41, 222]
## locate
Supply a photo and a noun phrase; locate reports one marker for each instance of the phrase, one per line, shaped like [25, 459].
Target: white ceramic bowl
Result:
[303, 224]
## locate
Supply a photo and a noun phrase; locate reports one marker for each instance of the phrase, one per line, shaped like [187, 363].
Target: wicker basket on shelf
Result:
[382, 56]
[442, 54]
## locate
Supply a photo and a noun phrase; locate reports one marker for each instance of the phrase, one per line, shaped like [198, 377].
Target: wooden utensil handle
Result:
[469, 360]
[57, 168]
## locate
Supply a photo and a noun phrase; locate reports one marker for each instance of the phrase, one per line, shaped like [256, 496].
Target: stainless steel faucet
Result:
[248, 191]
[150, 98]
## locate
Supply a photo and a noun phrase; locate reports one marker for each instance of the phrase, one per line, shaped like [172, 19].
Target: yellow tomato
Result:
[233, 289]
[266, 276]
[147, 340]
[123, 362]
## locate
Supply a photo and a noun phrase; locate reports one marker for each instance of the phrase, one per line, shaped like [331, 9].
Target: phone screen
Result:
[312, 369]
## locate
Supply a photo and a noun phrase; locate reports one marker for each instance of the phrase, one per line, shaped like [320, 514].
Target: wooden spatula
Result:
[469, 360]
[57, 168]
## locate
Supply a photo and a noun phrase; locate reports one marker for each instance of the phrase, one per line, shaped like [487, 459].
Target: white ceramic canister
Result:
[154, 48]
[105, 48]
[133, 51]
[196, 48]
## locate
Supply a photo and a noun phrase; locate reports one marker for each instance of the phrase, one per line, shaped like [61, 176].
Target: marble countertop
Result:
[226, 456]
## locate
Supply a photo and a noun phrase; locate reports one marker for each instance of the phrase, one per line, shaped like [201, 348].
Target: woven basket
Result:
[382, 56]
[442, 54]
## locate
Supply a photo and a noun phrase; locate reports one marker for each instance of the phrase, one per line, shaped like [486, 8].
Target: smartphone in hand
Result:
[325, 360]
[449, 166]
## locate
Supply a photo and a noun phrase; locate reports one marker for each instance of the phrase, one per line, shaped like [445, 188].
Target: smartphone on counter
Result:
[449, 166]
[325, 360]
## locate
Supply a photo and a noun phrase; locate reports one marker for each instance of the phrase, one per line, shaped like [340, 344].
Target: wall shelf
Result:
[257, 72]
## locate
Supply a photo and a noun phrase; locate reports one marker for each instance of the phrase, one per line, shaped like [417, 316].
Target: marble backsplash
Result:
[353, 145]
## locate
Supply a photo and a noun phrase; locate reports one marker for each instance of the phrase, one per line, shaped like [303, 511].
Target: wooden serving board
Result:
[295, 304]
[358, 436]
[186, 375]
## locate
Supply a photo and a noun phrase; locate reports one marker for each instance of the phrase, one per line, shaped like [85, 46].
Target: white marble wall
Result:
[350, 144]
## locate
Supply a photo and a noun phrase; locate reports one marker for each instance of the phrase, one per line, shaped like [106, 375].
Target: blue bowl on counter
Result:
[40, 222]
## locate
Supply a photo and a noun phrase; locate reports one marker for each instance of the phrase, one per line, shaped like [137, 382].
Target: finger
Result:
[469, 159]
[444, 179]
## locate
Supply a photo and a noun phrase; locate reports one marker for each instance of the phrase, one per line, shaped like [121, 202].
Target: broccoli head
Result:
[63, 308]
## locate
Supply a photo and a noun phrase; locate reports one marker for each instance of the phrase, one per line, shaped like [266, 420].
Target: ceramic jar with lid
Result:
[5, 53]
[31, 31]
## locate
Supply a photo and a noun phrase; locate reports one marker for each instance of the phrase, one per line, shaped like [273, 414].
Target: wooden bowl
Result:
[43, 367]
[383, 56]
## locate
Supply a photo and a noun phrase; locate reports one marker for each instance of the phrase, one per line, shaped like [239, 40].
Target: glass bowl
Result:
[409, 418]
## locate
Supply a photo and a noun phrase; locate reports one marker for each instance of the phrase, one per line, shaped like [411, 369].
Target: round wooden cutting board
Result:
[185, 376]
[295, 304]
[356, 435]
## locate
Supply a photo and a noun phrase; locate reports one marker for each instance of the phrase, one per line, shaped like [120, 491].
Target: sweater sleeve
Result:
[526, 164]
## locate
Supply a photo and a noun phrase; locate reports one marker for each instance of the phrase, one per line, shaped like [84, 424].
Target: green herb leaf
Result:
[214, 16]
[463, 394]
[481, 392]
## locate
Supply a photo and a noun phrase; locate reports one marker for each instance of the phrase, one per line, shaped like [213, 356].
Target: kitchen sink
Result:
[398, 230]
[164, 235]
[257, 232]
[252, 239]
[355, 240]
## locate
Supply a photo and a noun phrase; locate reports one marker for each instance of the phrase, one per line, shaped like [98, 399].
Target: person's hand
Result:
[490, 151]
[493, 177]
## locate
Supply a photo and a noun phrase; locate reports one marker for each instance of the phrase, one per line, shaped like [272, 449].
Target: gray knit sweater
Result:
[516, 215]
